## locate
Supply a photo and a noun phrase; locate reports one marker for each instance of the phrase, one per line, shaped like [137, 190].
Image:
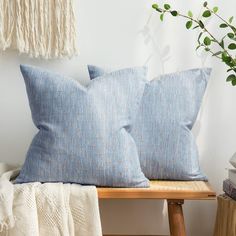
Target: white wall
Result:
[118, 33]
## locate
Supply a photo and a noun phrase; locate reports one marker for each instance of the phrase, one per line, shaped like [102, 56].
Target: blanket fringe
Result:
[7, 224]
[40, 28]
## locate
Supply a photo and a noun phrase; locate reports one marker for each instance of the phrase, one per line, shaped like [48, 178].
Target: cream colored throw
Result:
[36, 209]
[40, 28]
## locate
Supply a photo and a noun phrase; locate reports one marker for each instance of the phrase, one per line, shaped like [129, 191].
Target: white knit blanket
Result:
[36, 209]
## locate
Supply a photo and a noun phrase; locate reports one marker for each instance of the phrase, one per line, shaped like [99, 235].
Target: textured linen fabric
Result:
[35, 209]
[162, 130]
[84, 131]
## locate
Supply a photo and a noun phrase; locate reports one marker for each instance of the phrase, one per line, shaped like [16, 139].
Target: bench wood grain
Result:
[186, 190]
[175, 192]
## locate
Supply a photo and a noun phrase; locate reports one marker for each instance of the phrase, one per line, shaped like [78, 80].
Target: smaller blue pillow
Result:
[162, 130]
[84, 132]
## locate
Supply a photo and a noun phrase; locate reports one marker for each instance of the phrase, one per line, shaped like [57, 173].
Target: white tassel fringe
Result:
[40, 28]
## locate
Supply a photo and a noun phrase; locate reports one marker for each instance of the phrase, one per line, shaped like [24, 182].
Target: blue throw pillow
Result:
[84, 131]
[162, 130]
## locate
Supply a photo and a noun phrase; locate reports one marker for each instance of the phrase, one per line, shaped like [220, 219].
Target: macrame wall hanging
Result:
[40, 28]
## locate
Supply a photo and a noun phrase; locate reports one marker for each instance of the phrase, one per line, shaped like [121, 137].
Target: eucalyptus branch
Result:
[199, 23]
[210, 39]
[221, 18]
[226, 23]
[210, 51]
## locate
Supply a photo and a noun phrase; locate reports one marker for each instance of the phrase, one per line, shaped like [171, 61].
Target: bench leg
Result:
[176, 218]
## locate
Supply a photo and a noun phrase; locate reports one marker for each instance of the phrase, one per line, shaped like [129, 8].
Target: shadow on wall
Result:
[17, 129]
[125, 222]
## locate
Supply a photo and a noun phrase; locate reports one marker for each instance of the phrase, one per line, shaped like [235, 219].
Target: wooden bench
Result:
[175, 192]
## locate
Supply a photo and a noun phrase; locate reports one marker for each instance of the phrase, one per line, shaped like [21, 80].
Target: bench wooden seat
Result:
[175, 192]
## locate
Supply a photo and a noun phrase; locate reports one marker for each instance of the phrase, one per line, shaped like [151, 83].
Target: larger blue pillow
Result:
[84, 131]
[162, 130]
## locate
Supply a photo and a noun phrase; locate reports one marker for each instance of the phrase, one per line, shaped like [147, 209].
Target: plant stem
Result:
[204, 29]
[221, 18]
[209, 50]
[218, 16]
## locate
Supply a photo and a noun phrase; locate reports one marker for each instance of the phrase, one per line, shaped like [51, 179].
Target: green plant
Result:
[226, 45]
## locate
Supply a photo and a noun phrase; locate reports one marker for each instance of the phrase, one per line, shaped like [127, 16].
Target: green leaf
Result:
[217, 53]
[174, 13]
[207, 49]
[201, 24]
[231, 19]
[233, 28]
[205, 4]
[190, 14]
[207, 41]
[230, 64]
[234, 82]
[230, 69]
[215, 9]
[224, 55]
[195, 27]
[199, 37]
[155, 6]
[198, 47]
[162, 17]
[226, 59]
[206, 13]
[223, 25]
[232, 46]
[167, 6]
[189, 24]
[222, 43]
[231, 77]
[231, 35]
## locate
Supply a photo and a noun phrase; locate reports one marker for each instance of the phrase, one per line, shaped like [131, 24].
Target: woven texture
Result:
[194, 186]
[56, 209]
[162, 130]
[84, 131]
[40, 28]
